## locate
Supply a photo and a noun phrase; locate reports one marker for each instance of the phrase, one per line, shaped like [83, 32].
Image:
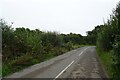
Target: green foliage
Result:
[6, 69]
[8, 41]
[91, 37]
[72, 37]
[106, 59]
[116, 59]
[51, 38]
[22, 61]
[69, 45]
[109, 40]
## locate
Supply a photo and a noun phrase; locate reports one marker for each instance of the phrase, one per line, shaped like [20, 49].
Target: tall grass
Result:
[106, 59]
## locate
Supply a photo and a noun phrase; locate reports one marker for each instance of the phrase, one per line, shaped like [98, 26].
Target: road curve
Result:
[79, 63]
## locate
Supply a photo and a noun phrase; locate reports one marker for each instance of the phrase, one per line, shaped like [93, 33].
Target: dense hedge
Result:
[108, 40]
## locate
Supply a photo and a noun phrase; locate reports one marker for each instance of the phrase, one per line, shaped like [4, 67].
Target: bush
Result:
[109, 40]
[22, 61]
[116, 60]
[6, 69]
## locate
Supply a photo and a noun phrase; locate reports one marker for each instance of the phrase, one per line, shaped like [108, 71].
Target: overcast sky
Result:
[64, 16]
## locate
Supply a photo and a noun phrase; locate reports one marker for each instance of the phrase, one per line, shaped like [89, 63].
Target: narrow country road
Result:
[79, 63]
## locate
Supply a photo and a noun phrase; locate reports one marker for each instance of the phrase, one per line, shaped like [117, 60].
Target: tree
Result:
[8, 40]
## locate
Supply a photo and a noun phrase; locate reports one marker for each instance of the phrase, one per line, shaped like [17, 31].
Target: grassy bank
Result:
[105, 58]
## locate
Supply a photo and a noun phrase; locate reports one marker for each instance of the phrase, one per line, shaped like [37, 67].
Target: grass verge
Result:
[105, 58]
